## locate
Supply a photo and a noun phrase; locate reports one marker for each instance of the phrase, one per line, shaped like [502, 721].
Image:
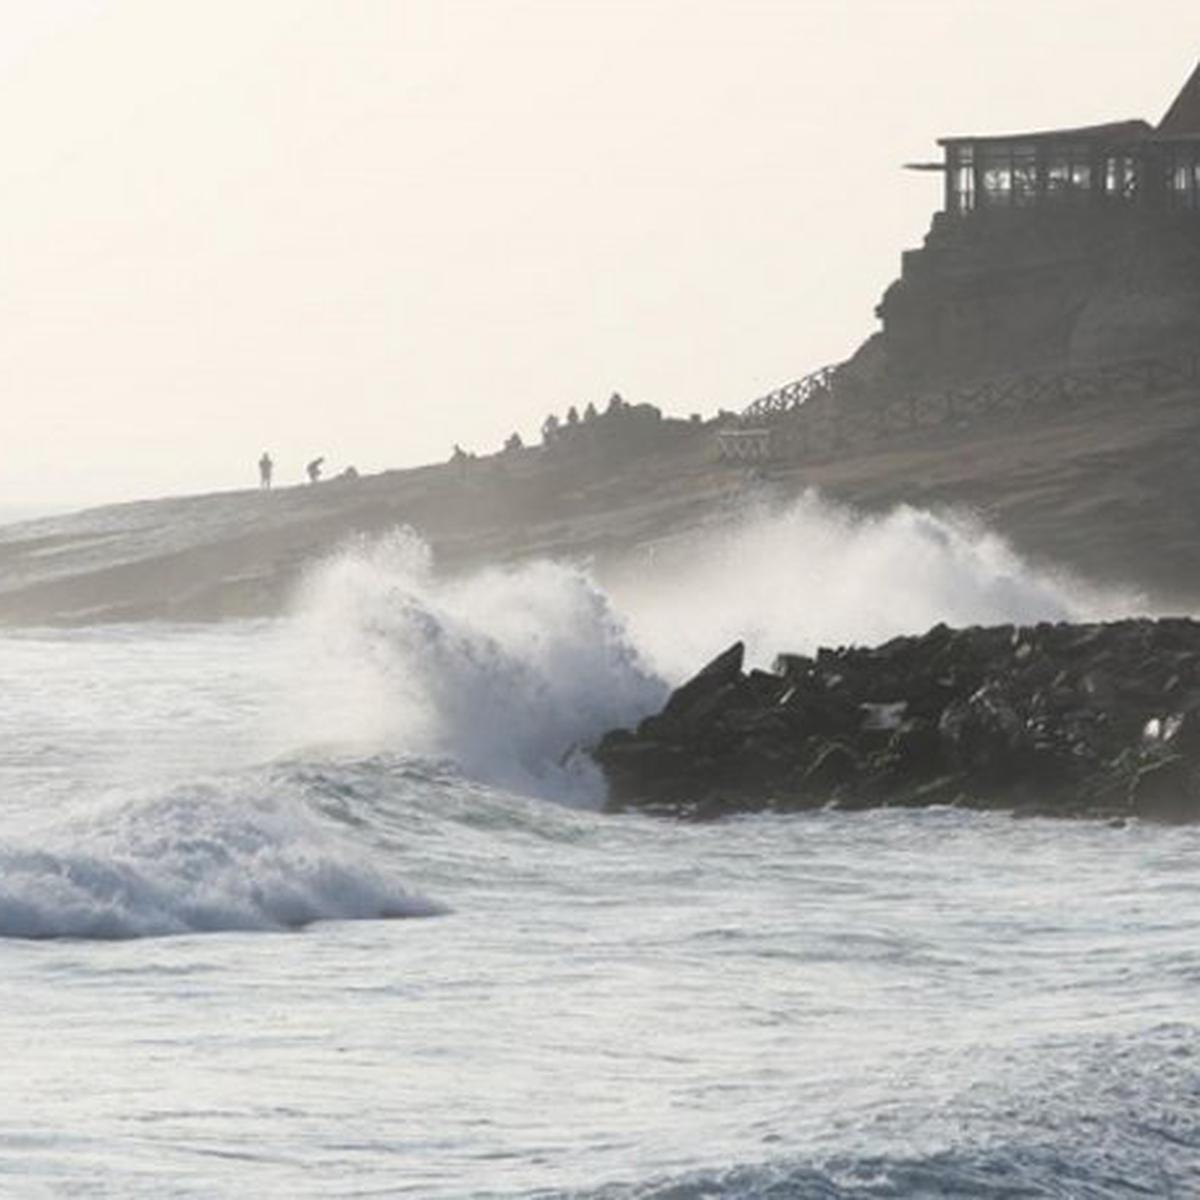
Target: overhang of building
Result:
[1112, 132]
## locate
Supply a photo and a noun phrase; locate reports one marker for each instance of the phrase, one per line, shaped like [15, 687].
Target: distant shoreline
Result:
[14, 514]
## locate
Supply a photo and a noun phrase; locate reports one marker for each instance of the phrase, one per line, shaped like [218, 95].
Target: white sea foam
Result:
[198, 859]
[811, 573]
[504, 670]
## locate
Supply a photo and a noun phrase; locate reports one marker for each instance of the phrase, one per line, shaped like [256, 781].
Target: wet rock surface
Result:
[1098, 720]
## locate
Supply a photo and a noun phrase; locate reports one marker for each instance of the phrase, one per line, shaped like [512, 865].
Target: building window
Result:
[1121, 178]
[1183, 178]
[962, 178]
[1068, 173]
[997, 166]
[1024, 175]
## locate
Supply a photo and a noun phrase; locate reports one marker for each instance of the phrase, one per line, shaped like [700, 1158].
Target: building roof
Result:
[1116, 131]
[1183, 117]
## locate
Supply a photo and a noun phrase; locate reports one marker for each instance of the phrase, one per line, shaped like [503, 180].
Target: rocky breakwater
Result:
[1099, 720]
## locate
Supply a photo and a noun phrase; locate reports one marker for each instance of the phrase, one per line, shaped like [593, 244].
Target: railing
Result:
[791, 396]
[809, 419]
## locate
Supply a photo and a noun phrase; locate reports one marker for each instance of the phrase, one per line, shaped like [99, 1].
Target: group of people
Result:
[266, 470]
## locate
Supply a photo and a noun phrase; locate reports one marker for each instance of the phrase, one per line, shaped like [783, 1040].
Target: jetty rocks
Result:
[1072, 720]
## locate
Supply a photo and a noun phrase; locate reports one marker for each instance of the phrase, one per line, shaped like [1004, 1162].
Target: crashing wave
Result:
[503, 671]
[249, 854]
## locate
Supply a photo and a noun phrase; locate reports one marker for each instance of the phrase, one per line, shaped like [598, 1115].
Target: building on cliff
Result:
[1060, 246]
[1055, 251]
[1119, 163]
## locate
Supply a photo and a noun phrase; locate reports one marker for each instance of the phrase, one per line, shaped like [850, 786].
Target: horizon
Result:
[374, 233]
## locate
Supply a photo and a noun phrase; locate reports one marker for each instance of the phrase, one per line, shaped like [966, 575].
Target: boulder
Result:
[984, 736]
[1165, 790]
[916, 749]
[835, 766]
[724, 670]
[1181, 733]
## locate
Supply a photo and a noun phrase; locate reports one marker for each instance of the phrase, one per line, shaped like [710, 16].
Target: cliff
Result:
[1001, 291]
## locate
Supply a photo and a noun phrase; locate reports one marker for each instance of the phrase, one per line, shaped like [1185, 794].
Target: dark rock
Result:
[644, 759]
[1181, 733]
[1098, 688]
[718, 703]
[792, 667]
[1165, 791]
[984, 736]
[835, 766]
[725, 669]
[1066, 720]
[765, 687]
[916, 747]
[943, 789]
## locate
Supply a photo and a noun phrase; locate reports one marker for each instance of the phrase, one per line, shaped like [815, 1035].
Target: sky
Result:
[373, 228]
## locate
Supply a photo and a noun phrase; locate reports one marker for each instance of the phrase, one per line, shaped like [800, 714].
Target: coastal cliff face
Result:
[1003, 291]
[1099, 720]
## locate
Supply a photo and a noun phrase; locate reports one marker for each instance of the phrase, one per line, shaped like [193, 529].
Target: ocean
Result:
[326, 905]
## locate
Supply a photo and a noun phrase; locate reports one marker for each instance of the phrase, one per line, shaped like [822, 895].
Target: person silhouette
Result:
[314, 470]
[265, 467]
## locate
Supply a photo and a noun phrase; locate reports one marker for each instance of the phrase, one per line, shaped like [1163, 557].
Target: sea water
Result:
[326, 906]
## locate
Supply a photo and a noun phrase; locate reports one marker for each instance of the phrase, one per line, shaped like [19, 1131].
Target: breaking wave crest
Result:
[254, 852]
[503, 671]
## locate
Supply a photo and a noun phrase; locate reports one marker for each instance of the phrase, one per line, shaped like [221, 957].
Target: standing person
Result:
[265, 467]
[314, 469]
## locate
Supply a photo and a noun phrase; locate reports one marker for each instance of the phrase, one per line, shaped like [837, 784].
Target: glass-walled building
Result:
[1122, 164]
[1062, 167]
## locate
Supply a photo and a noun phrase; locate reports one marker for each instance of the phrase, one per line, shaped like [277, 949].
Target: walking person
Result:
[265, 468]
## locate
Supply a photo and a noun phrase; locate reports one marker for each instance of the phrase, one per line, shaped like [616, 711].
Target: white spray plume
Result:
[812, 574]
[504, 670]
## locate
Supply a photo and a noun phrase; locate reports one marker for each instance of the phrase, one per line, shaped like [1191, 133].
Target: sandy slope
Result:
[1108, 488]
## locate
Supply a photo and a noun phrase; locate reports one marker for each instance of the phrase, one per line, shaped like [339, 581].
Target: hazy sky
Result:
[371, 228]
